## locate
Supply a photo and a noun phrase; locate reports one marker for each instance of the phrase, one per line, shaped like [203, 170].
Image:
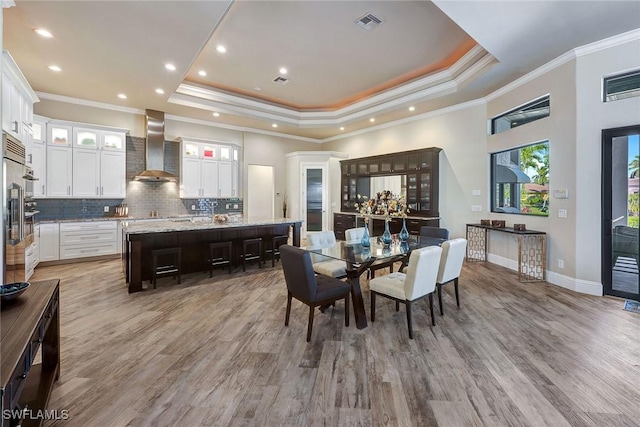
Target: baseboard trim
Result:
[577, 285]
[77, 260]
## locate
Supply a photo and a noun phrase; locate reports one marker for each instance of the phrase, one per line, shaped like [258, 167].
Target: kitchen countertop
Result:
[182, 225]
[120, 218]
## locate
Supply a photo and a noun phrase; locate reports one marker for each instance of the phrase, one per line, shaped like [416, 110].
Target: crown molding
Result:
[331, 154]
[88, 103]
[590, 48]
[423, 116]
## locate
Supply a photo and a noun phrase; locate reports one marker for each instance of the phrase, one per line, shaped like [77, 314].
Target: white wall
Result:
[594, 116]
[463, 166]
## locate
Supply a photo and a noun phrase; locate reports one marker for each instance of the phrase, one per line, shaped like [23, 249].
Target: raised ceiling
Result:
[425, 55]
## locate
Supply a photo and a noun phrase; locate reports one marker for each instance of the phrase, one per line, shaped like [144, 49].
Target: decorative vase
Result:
[365, 241]
[404, 247]
[404, 234]
[386, 236]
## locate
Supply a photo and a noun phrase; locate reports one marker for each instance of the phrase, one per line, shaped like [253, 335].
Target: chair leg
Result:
[310, 326]
[408, 304]
[433, 316]
[288, 312]
[373, 306]
[439, 286]
[455, 284]
[397, 306]
[346, 310]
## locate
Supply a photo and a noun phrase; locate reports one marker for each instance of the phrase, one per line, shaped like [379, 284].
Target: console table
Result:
[532, 249]
[27, 324]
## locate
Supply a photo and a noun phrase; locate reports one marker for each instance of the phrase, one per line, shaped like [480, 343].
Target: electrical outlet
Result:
[106, 208]
[476, 208]
[235, 206]
[562, 213]
[193, 207]
[560, 263]
[476, 192]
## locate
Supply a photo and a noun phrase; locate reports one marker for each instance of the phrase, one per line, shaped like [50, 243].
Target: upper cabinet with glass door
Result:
[113, 140]
[85, 138]
[59, 135]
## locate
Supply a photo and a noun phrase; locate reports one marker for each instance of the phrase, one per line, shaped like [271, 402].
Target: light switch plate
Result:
[562, 213]
[476, 208]
[193, 207]
[106, 208]
[476, 192]
[561, 194]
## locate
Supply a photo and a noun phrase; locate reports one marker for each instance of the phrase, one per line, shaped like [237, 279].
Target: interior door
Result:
[314, 196]
[620, 212]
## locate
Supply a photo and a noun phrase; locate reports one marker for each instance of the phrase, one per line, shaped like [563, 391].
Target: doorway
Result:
[314, 196]
[621, 212]
[260, 192]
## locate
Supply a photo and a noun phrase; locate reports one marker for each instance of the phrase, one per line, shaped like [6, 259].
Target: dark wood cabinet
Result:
[30, 324]
[341, 223]
[420, 167]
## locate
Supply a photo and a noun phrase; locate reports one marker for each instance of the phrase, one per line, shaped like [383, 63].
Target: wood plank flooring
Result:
[215, 352]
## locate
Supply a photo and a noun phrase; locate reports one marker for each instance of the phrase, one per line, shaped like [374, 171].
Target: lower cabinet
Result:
[341, 223]
[49, 246]
[86, 239]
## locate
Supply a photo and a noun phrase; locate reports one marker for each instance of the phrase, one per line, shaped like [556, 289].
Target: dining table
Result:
[359, 258]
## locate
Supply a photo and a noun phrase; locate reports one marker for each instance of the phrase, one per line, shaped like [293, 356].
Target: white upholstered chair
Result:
[453, 252]
[418, 282]
[321, 264]
[354, 234]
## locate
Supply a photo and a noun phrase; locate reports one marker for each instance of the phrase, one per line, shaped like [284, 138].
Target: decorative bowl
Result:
[13, 290]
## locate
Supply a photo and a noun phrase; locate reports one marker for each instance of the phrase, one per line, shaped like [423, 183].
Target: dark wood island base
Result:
[193, 240]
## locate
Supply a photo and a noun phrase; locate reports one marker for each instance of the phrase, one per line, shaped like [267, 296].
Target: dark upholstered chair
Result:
[437, 232]
[417, 283]
[453, 252]
[306, 287]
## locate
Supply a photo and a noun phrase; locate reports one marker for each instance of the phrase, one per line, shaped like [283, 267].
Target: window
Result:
[621, 86]
[534, 110]
[520, 180]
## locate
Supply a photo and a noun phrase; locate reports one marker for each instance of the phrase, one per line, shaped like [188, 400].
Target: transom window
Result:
[534, 110]
[621, 86]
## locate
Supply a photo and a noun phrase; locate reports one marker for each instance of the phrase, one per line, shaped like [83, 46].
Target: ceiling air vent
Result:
[281, 80]
[369, 21]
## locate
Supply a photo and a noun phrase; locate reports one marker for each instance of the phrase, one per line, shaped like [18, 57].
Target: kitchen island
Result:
[139, 239]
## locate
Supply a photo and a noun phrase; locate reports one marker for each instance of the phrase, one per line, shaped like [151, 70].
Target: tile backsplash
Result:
[142, 197]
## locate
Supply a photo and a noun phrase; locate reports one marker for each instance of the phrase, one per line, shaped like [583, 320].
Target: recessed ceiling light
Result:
[341, 127]
[43, 32]
[216, 114]
[283, 70]
[372, 120]
[221, 48]
[275, 125]
[55, 68]
[170, 67]
[122, 96]
[257, 88]
[159, 91]
[202, 73]
[412, 108]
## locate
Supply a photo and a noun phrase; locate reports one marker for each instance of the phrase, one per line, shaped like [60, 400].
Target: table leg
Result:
[353, 276]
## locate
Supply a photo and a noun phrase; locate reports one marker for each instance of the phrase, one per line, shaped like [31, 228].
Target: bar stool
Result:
[251, 250]
[273, 247]
[164, 255]
[219, 254]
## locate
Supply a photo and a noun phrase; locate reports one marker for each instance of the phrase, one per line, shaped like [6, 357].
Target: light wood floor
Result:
[216, 352]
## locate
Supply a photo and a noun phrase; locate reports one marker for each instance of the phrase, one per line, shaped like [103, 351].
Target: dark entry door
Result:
[620, 212]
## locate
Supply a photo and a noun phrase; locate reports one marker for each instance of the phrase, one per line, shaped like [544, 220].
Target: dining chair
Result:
[321, 264]
[306, 287]
[418, 282]
[453, 252]
[437, 232]
[353, 234]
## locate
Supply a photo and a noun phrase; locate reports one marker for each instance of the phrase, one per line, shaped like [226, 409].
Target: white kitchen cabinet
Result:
[39, 130]
[86, 239]
[113, 174]
[225, 179]
[86, 172]
[85, 138]
[113, 140]
[17, 101]
[49, 244]
[209, 178]
[207, 170]
[59, 171]
[39, 166]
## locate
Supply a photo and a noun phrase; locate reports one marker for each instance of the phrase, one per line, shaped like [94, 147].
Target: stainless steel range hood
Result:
[154, 149]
